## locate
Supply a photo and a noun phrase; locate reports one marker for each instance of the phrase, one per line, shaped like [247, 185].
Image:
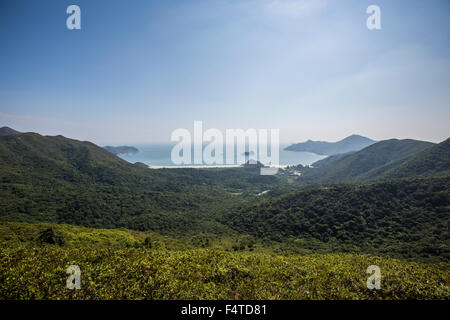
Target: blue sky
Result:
[137, 70]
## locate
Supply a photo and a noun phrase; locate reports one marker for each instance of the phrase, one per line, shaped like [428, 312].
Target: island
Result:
[121, 150]
[252, 164]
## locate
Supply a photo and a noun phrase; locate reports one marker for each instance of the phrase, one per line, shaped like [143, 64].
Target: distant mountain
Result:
[351, 143]
[6, 131]
[121, 150]
[368, 164]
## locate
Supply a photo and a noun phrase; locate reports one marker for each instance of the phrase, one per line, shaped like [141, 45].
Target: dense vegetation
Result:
[56, 179]
[369, 164]
[221, 233]
[116, 264]
[330, 159]
[429, 162]
[407, 218]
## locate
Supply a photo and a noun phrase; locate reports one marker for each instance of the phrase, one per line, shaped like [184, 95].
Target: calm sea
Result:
[159, 154]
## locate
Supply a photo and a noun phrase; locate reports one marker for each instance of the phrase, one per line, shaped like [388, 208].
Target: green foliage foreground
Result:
[40, 273]
[120, 264]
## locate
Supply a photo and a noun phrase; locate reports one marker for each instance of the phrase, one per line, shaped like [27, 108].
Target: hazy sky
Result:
[137, 70]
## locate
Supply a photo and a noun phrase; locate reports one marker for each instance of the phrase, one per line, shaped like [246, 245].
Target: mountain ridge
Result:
[7, 131]
[432, 161]
[351, 143]
[367, 164]
[57, 179]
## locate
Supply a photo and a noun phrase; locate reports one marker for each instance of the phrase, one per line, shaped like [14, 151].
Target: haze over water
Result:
[159, 154]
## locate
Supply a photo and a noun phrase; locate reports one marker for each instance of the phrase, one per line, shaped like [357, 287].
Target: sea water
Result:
[159, 155]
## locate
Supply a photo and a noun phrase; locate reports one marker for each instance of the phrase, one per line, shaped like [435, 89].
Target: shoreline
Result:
[195, 166]
[211, 166]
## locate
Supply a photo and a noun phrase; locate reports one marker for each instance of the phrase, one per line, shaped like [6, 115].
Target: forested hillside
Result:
[407, 218]
[59, 180]
[368, 164]
[431, 161]
[56, 179]
[328, 160]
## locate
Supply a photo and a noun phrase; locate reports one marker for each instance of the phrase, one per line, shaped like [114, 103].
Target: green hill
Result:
[404, 218]
[56, 179]
[49, 160]
[431, 161]
[59, 180]
[366, 164]
[7, 131]
[328, 160]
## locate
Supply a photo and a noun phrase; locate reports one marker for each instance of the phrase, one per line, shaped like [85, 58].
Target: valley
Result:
[66, 201]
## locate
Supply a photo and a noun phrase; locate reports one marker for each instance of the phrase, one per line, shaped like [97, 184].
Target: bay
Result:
[159, 155]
